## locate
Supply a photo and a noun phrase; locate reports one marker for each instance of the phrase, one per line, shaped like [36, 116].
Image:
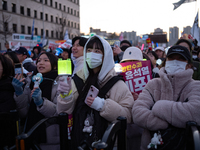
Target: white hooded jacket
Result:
[119, 100]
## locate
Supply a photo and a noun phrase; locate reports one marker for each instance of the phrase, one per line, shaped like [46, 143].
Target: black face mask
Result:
[123, 48]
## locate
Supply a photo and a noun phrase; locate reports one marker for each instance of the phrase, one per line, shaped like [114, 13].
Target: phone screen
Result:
[18, 69]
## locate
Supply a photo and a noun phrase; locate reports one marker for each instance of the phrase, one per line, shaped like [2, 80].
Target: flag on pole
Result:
[121, 37]
[176, 5]
[66, 37]
[32, 29]
[195, 29]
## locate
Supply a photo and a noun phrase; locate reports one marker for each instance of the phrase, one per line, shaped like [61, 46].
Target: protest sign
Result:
[136, 74]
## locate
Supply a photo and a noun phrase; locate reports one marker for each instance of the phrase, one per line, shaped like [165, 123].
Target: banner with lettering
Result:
[136, 74]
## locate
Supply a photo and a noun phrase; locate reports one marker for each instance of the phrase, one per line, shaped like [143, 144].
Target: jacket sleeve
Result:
[119, 103]
[67, 104]
[142, 113]
[178, 113]
[48, 108]
[23, 101]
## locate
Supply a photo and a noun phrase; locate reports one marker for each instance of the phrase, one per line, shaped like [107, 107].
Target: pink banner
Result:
[136, 74]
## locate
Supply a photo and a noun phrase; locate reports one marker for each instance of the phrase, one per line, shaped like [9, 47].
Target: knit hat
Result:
[125, 41]
[132, 53]
[181, 50]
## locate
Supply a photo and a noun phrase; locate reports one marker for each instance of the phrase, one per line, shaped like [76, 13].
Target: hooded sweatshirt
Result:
[118, 100]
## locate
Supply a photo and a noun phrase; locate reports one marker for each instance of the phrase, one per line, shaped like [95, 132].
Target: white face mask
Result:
[93, 59]
[174, 66]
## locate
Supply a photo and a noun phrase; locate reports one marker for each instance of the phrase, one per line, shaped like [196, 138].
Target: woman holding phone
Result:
[97, 111]
[36, 103]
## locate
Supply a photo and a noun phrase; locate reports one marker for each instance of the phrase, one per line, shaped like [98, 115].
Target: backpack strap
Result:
[78, 82]
[109, 85]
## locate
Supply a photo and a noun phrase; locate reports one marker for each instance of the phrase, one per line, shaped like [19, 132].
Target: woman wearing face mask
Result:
[36, 103]
[168, 99]
[98, 70]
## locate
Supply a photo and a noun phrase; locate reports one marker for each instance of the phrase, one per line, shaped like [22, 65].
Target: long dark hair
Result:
[8, 66]
[52, 58]
[96, 43]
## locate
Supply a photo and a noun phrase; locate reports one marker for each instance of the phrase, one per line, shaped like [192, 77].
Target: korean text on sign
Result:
[136, 74]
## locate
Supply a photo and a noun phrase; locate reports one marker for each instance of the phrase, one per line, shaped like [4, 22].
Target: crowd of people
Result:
[170, 98]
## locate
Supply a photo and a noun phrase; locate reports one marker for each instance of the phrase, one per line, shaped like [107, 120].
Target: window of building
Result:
[56, 19]
[5, 26]
[15, 28]
[60, 6]
[51, 18]
[68, 24]
[52, 34]
[41, 32]
[36, 33]
[61, 35]
[68, 9]
[78, 26]
[35, 13]
[46, 17]
[51, 3]
[47, 33]
[74, 12]
[60, 20]
[13, 7]
[78, 2]
[46, 2]
[71, 11]
[56, 5]
[64, 8]
[56, 34]
[41, 1]
[28, 12]
[29, 30]
[22, 29]
[77, 13]
[4, 3]
[22, 10]
[72, 24]
[41, 15]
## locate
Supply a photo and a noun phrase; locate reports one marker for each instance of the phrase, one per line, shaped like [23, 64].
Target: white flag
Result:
[66, 37]
[195, 29]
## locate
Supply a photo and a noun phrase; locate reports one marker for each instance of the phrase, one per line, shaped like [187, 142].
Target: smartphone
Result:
[117, 43]
[93, 92]
[18, 69]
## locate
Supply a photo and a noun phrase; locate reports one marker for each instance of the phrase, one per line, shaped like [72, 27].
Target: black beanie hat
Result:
[125, 41]
[82, 40]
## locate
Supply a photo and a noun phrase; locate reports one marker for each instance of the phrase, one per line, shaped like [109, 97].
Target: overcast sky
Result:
[141, 16]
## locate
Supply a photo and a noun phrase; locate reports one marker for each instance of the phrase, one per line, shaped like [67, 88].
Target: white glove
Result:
[98, 103]
[64, 86]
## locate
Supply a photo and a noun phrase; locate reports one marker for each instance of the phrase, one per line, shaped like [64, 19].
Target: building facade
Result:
[187, 30]
[51, 19]
[131, 36]
[173, 35]
[159, 38]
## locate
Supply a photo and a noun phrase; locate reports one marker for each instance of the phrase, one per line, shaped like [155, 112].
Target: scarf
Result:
[78, 64]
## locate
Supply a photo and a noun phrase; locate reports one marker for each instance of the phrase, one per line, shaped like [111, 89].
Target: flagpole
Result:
[43, 22]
